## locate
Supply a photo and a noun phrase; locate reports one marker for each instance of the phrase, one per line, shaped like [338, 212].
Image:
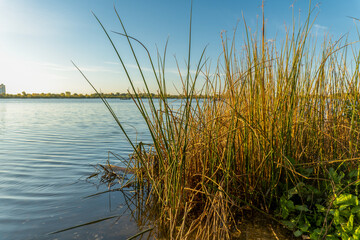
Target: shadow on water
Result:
[256, 226]
[122, 224]
[142, 209]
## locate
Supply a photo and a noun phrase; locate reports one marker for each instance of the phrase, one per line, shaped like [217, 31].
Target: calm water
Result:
[47, 149]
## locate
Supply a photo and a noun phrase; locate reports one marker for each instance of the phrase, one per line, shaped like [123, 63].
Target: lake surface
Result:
[47, 150]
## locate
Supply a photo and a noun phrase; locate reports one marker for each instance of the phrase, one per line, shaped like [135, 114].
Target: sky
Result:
[40, 38]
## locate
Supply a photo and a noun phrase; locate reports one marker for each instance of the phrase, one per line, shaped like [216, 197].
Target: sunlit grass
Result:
[268, 112]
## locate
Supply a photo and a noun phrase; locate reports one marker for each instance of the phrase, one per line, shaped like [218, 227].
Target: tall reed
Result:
[266, 112]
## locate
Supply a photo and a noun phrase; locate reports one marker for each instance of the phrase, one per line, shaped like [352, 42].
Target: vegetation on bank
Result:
[93, 95]
[271, 142]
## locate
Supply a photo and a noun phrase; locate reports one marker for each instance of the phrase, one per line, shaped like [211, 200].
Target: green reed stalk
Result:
[265, 114]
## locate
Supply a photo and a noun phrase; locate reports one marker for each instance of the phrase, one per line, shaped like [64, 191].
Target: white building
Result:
[2, 89]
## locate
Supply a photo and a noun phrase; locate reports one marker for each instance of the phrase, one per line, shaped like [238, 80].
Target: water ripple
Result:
[46, 146]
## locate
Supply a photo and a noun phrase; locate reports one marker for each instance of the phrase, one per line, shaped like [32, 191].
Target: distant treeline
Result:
[142, 95]
[75, 95]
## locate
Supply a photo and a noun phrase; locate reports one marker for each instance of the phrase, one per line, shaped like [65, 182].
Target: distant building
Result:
[2, 89]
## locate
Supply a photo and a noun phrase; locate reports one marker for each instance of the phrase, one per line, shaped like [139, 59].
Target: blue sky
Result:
[39, 38]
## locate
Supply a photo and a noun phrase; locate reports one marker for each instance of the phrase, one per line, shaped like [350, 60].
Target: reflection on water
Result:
[47, 147]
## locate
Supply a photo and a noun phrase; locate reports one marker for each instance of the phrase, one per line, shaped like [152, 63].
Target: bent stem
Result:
[265, 113]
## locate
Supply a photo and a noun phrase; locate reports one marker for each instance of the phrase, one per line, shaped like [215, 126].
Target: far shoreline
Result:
[68, 95]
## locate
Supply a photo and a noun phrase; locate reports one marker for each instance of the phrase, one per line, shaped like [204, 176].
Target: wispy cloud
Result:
[320, 27]
[167, 70]
[104, 69]
[55, 67]
[131, 66]
[134, 66]
[100, 69]
[112, 63]
[70, 68]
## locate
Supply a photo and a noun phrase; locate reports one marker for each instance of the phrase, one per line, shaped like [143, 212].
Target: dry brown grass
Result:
[266, 112]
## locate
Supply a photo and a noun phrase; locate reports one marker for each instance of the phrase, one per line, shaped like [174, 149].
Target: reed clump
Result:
[272, 116]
